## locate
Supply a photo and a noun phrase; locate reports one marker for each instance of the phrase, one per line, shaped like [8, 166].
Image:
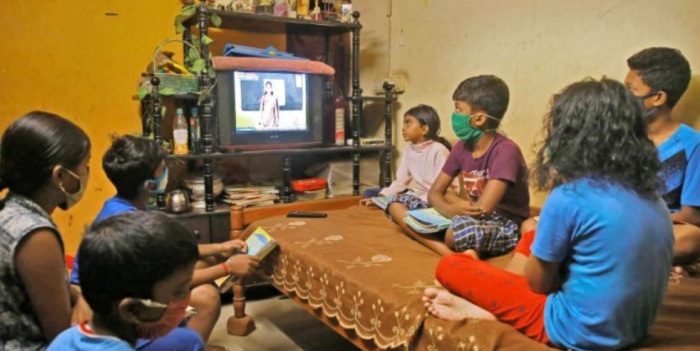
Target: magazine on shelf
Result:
[260, 244]
[426, 221]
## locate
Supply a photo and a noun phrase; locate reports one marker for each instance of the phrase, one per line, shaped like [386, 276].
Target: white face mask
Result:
[72, 199]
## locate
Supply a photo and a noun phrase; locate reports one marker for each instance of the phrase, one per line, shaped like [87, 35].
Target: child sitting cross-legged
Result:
[494, 198]
[421, 160]
[136, 275]
[596, 269]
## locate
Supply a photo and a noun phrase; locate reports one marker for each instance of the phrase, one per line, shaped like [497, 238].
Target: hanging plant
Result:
[194, 63]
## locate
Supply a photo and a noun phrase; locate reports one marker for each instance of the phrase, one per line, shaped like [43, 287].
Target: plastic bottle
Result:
[339, 104]
[180, 133]
[194, 131]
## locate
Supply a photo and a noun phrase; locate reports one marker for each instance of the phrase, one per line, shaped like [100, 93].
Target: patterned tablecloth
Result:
[357, 267]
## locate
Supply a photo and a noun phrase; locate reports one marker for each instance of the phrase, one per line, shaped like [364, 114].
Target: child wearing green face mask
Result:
[493, 198]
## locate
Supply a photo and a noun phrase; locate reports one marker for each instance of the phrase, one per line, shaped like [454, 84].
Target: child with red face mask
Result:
[136, 278]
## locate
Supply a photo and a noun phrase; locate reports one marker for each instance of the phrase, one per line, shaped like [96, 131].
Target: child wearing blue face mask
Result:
[136, 166]
[493, 198]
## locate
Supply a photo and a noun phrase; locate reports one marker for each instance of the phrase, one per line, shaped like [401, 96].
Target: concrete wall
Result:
[536, 46]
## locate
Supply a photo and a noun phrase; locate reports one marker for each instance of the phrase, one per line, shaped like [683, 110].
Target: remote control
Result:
[296, 214]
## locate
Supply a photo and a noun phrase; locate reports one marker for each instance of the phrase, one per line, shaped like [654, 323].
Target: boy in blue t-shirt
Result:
[658, 77]
[136, 275]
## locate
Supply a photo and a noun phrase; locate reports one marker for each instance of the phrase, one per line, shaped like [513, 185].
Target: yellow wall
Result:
[73, 59]
[536, 46]
[82, 60]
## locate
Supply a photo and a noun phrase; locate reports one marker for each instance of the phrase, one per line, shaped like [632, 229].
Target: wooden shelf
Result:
[286, 152]
[198, 212]
[200, 24]
[239, 20]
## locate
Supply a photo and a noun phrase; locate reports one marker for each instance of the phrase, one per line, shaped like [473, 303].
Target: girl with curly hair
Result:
[579, 285]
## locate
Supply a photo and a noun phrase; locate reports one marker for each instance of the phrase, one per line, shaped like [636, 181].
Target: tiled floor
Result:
[281, 326]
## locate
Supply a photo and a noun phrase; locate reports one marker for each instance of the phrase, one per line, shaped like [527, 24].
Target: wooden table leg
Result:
[239, 324]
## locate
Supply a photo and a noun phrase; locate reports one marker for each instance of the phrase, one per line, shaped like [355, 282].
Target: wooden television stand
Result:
[259, 147]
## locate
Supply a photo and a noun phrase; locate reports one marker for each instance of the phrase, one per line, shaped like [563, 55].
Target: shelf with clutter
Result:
[318, 103]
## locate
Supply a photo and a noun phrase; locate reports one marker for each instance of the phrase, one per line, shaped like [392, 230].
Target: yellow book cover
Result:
[260, 244]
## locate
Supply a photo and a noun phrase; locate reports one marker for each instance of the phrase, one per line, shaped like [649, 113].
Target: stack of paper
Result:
[249, 196]
[426, 221]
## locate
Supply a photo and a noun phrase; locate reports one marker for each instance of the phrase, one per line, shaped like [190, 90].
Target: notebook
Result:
[260, 244]
[426, 221]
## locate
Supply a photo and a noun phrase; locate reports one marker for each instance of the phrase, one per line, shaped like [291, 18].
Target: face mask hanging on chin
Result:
[72, 199]
[172, 317]
[160, 183]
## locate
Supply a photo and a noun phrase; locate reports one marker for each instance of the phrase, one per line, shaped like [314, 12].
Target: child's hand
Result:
[465, 208]
[242, 265]
[230, 247]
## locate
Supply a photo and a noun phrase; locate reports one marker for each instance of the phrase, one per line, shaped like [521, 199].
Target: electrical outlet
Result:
[398, 80]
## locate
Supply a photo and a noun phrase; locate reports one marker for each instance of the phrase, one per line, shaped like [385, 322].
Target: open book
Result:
[426, 221]
[260, 244]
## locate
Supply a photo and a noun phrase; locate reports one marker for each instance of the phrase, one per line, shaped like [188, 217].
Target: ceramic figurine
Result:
[303, 8]
[264, 7]
[281, 8]
[316, 13]
[243, 6]
[347, 13]
[223, 4]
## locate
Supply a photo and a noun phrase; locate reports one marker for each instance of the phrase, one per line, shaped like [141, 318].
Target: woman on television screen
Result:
[269, 108]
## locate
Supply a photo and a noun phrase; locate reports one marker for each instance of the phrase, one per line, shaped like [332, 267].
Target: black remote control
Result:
[296, 214]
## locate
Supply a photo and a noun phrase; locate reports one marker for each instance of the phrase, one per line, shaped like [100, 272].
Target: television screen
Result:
[270, 101]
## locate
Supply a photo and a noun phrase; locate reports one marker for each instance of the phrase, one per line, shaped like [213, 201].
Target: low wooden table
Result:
[241, 324]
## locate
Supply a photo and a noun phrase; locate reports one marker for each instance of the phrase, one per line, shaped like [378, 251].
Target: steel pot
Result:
[178, 201]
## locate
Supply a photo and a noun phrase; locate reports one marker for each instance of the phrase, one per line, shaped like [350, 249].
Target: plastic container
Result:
[180, 136]
[311, 184]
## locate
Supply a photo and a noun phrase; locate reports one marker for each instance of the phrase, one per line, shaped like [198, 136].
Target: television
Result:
[265, 109]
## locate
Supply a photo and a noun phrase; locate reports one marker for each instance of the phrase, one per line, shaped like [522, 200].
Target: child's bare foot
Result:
[216, 348]
[449, 307]
[472, 253]
[678, 272]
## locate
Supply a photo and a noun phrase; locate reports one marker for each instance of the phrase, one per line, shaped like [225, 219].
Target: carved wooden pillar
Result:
[287, 174]
[356, 105]
[388, 117]
[157, 129]
[207, 110]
